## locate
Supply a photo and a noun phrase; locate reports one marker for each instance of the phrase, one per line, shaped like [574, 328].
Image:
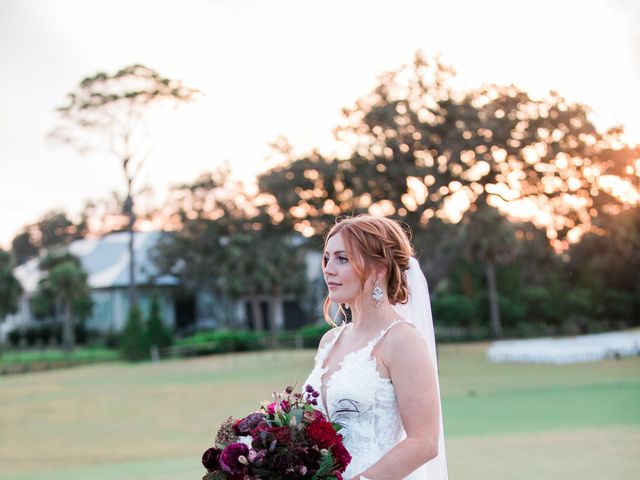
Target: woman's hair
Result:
[373, 242]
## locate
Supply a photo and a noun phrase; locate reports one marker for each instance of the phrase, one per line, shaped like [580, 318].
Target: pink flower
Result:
[271, 408]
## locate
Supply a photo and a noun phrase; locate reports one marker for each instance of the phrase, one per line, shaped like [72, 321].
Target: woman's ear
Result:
[381, 272]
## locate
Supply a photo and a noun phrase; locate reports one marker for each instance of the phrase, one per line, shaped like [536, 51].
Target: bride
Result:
[377, 375]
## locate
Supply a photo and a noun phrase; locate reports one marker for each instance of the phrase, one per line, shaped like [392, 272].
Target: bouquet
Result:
[288, 439]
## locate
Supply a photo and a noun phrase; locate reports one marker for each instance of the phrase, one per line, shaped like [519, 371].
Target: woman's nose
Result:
[329, 268]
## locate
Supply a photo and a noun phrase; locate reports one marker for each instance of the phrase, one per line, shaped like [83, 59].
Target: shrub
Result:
[134, 342]
[159, 335]
[540, 306]
[43, 333]
[223, 341]
[454, 310]
[512, 312]
[14, 337]
[312, 334]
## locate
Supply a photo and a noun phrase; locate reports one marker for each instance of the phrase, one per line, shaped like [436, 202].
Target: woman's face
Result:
[341, 278]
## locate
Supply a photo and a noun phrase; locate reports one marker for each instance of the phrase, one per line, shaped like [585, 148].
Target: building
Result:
[106, 261]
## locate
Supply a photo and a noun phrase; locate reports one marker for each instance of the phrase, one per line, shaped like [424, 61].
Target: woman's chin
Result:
[338, 299]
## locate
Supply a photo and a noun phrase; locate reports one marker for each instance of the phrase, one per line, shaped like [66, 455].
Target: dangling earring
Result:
[377, 294]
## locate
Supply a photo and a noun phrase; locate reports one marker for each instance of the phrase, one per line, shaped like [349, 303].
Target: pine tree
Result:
[134, 343]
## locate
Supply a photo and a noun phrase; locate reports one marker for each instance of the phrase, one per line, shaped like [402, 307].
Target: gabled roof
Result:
[106, 261]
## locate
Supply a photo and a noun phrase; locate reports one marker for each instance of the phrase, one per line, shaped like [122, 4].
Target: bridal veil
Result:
[418, 311]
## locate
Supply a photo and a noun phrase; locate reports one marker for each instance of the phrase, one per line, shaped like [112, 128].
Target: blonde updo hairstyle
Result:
[371, 242]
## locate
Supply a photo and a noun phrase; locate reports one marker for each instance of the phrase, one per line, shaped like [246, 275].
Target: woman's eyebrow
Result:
[335, 253]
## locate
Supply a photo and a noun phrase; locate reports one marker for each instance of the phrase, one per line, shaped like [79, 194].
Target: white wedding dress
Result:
[361, 400]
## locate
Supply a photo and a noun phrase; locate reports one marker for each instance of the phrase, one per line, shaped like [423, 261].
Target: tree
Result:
[10, 288]
[53, 229]
[229, 244]
[112, 113]
[423, 150]
[489, 238]
[606, 263]
[64, 287]
[23, 247]
[261, 262]
[307, 193]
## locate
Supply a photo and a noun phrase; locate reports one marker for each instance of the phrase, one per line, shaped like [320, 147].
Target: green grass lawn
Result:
[152, 421]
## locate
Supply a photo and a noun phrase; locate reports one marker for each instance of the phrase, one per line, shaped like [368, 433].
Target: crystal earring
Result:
[377, 294]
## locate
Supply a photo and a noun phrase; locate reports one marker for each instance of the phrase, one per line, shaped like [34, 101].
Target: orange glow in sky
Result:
[278, 68]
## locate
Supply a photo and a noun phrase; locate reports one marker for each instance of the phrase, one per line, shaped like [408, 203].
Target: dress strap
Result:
[327, 346]
[386, 330]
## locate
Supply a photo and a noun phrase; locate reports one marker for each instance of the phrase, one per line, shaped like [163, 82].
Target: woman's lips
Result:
[333, 285]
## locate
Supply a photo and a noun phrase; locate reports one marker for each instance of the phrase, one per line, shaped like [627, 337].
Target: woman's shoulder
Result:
[400, 333]
[404, 347]
[330, 335]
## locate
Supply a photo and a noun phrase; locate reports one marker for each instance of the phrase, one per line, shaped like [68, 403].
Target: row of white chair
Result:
[584, 348]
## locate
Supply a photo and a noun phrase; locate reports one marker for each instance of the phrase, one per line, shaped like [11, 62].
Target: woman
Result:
[377, 375]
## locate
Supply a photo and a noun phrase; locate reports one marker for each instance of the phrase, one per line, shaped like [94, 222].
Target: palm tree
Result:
[64, 284]
[489, 238]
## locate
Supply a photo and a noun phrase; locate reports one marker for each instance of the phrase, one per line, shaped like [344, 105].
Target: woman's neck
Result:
[369, 318]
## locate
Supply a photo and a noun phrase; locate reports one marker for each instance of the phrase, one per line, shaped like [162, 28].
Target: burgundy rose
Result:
[232, 456]
[322, 433]
[244, 426]
[340, 455]
[281, 434]
[210, 459]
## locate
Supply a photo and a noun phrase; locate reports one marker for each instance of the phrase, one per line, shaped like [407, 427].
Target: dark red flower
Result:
[322, 433]
[210, 459]
[340, 455]
[261, 427]
[230, 460]
[235, 426]
[281, 434]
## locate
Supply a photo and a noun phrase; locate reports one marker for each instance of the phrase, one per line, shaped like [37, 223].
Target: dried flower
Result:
[226, 433]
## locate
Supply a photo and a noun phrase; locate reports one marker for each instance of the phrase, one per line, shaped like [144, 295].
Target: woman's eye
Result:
[325, 260]
[343, 259]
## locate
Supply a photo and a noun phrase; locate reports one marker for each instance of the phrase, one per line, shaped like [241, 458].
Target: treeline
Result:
[524, 214]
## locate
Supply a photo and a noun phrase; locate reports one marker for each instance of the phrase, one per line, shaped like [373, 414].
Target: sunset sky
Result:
[278, 68]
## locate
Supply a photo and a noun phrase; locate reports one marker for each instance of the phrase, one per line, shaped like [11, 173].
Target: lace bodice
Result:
[361, 400]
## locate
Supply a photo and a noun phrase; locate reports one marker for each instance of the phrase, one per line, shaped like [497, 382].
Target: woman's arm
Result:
[404, 353]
